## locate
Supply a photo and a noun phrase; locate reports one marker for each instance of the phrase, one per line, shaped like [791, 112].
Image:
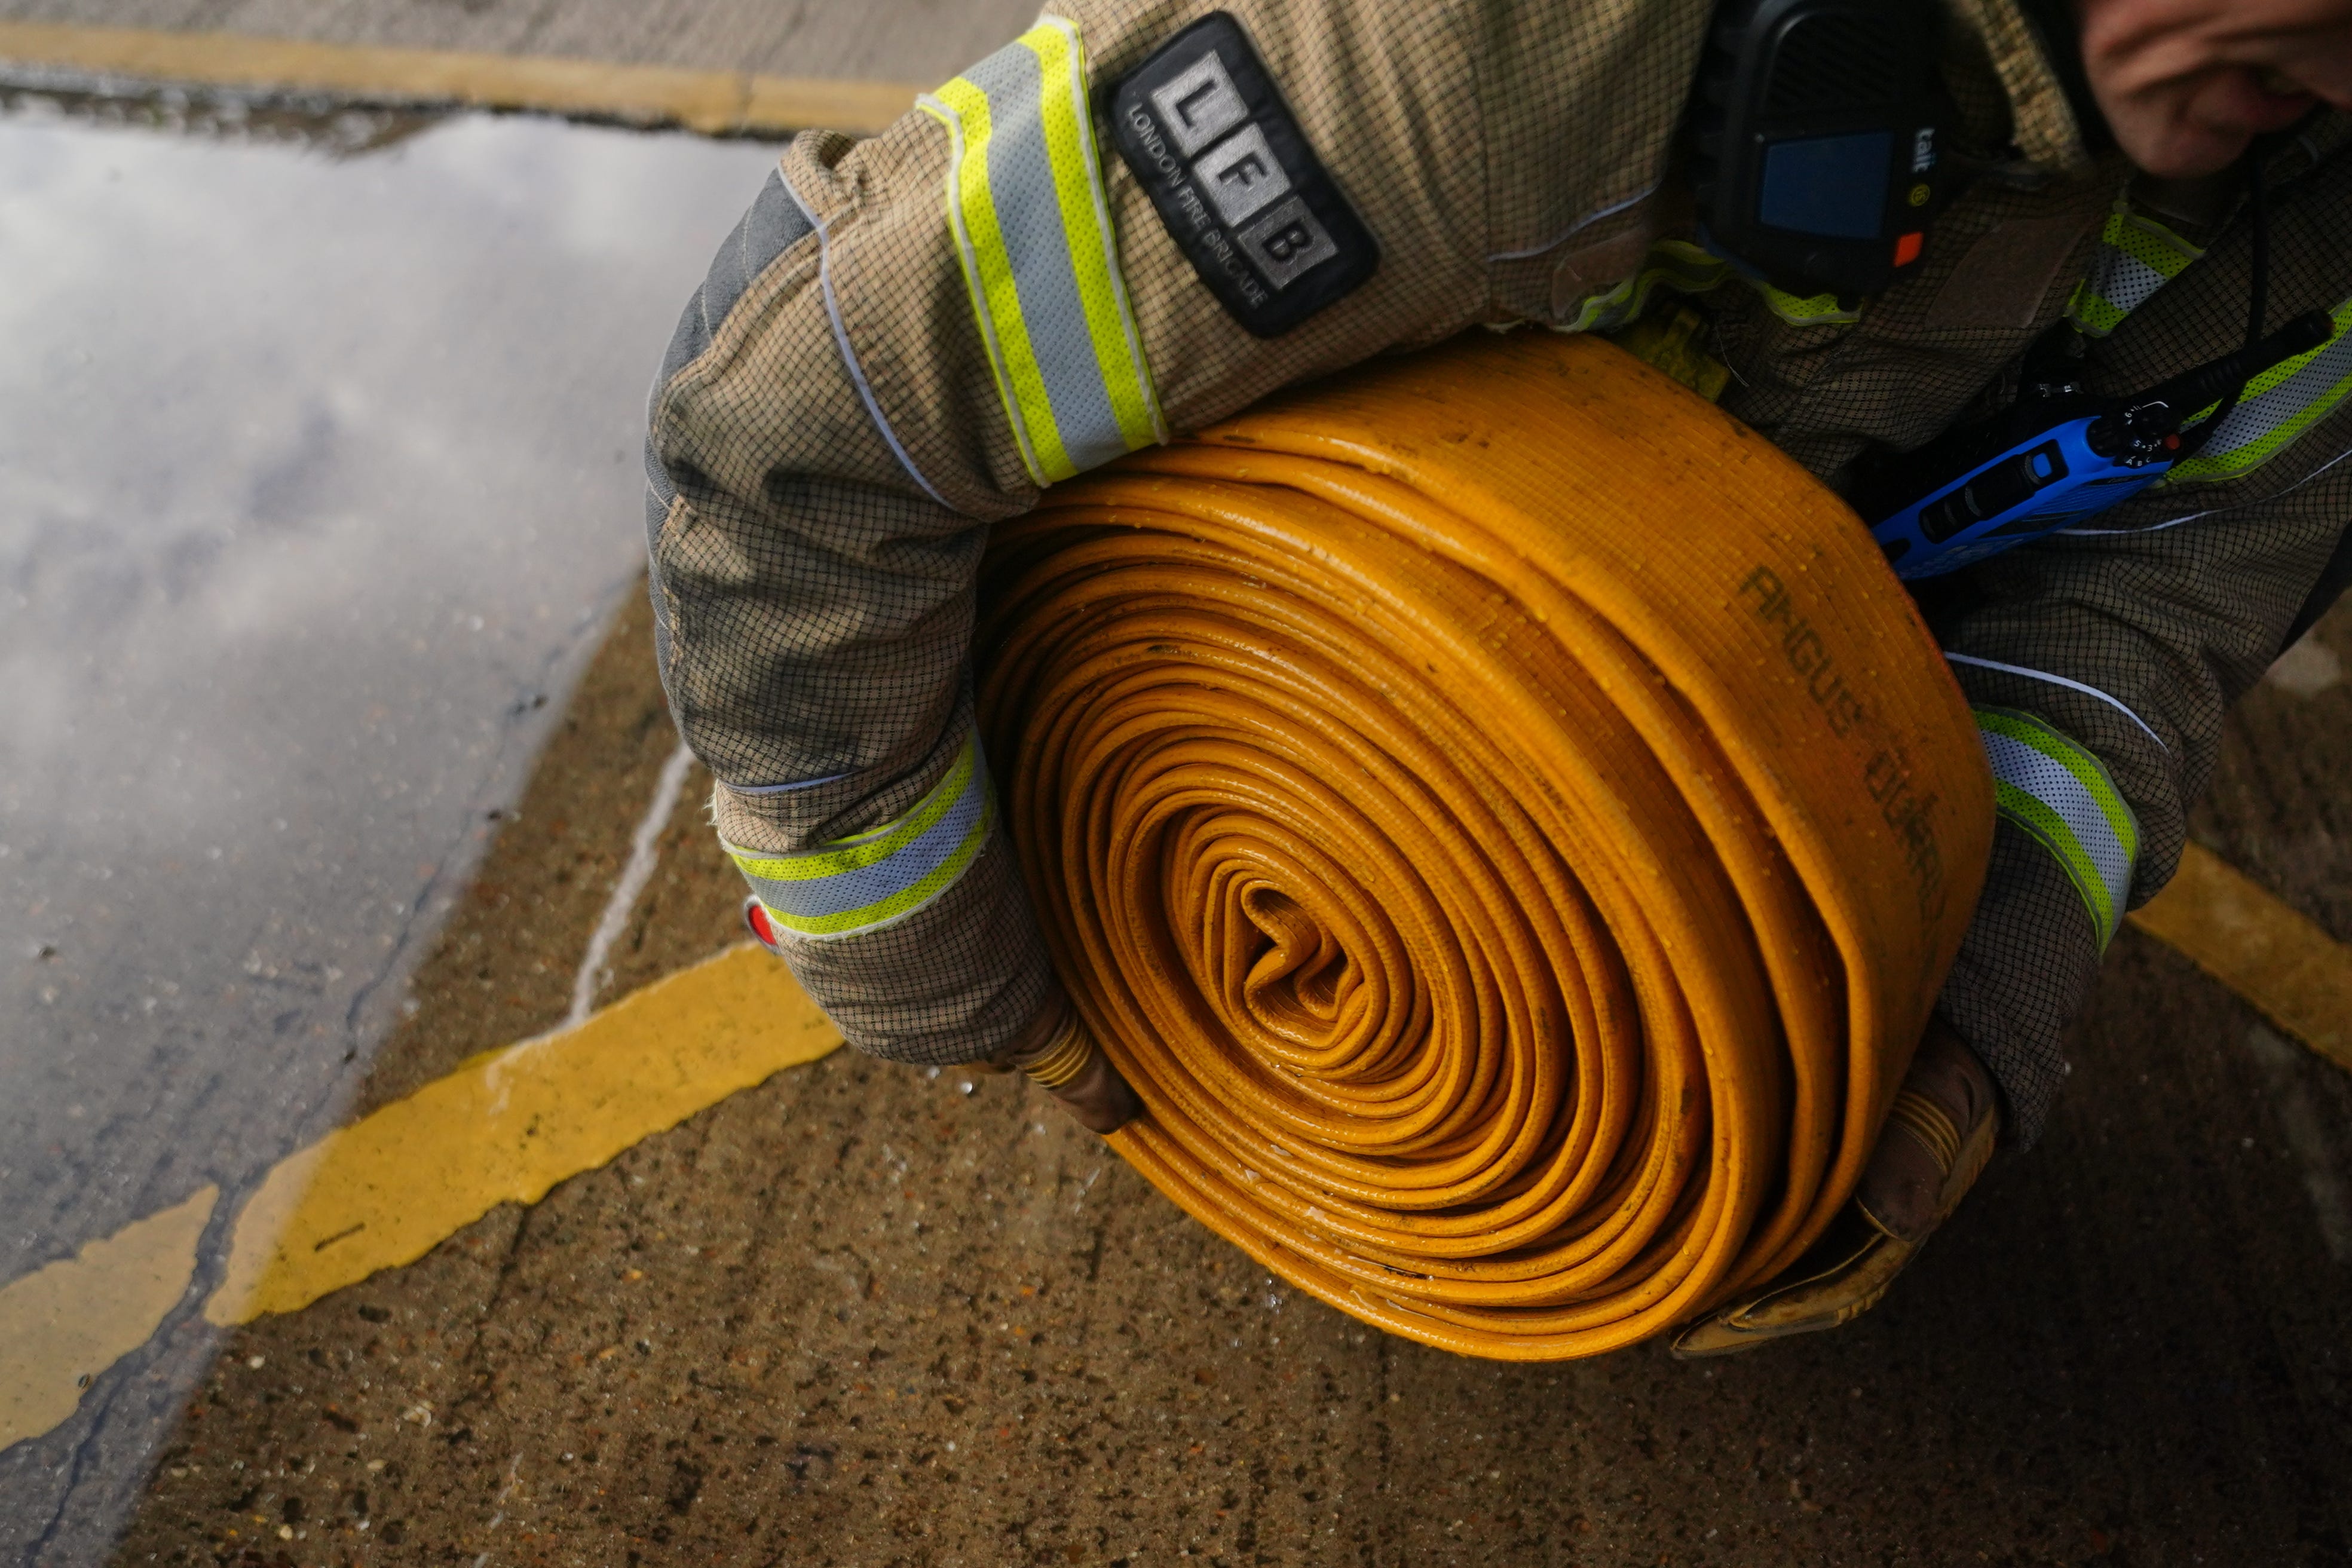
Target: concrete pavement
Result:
[904, 40]
[862, 1315]
[318, 501]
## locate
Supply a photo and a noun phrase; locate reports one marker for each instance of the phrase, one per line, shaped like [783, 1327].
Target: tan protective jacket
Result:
[884, 360]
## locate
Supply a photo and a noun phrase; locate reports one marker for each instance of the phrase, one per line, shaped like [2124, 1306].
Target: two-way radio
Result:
[1816, 141]
[2058, 455]
[2056, 459]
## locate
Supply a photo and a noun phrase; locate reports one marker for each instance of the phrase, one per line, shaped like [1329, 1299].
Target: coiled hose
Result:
[1506, 822]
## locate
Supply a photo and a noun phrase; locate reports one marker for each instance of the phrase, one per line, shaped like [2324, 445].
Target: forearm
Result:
[2102, 667]
[889, 355]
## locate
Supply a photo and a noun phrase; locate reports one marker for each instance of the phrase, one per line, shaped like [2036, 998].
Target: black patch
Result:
[1242, 195]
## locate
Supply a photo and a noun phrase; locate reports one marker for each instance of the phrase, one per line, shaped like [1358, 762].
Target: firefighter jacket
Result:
[1143, 215]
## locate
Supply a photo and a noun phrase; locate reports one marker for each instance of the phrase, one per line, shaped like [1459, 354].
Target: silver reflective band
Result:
[1032, 227]
[2061, 796]
[2277, 407]
[876, 880]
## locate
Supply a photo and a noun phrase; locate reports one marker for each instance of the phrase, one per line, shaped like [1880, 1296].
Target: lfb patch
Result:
[1239, 188]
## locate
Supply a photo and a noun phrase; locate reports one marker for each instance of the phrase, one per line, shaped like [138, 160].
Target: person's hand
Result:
[1937, 1139]
[1921, 1168]
[1064, 1061]
[2187, 84]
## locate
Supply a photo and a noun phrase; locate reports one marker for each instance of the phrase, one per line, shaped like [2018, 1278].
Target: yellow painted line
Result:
[2291, 970]
[62, 1325]
[714, 102]
[503, 1128]
[509, 1125]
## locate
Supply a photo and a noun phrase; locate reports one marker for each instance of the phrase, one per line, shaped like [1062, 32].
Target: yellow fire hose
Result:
[1506, 821]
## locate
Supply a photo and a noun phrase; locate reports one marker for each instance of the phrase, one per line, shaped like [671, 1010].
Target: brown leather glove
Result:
[1908, 1187]
[1941, 1132]
[1068, 1065]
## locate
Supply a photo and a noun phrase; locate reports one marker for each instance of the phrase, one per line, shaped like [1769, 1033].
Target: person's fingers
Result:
[2186, 85]
[1905, 1189]
[1098, 1097]
[1068, 1064]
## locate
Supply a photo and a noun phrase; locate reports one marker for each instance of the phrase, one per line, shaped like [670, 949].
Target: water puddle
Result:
[319, 476]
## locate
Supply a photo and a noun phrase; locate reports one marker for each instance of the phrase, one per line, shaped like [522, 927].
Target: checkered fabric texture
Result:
[828, 446]
[2173, 607]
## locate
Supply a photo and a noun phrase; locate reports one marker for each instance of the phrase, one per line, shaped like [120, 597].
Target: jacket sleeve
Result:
[907, 337]
[2101, 666]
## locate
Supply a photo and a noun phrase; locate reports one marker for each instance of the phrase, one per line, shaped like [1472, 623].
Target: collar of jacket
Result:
[2044, 124]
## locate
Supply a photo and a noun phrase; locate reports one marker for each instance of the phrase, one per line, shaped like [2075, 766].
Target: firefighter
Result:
[909, 337]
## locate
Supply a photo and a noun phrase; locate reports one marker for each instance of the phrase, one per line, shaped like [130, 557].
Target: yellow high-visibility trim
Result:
[2252, 451]
[1086, 219]
[1814, 311]
[1033, 229]
[2147, 241]
[996, 296]
[2136, 255]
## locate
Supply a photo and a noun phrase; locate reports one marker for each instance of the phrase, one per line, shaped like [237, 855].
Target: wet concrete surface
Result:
[903, 40]
[866, 1316]
[322, 465]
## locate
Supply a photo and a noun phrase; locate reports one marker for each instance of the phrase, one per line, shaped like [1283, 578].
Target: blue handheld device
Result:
[2048, 480]
[2055, 460]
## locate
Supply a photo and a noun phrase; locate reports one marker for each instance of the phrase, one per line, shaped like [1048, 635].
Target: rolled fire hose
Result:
[1506, 821]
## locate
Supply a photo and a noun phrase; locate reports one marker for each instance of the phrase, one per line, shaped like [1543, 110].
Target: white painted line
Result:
[644, 853]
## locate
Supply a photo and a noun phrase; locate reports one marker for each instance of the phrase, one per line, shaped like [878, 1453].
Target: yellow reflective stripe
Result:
[2150, 244]
[1085, 218]
[1676, 342]
[2093, 315]
[988, 276]
[2136, 255]
[858, 884]
[1819, 309]
[2062, 796]
[896, 906]
[863, 849]
[1033, 229]
[2276, 406]
[1679, 264]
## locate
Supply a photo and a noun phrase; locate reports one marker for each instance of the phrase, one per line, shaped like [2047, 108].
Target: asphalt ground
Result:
[863, 1315]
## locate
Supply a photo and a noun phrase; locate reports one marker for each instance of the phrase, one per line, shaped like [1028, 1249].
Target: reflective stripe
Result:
[1818, 311]
[2137, 256]
[2061, 794]
[2084, 687]
[2277, 407]
[1677, 264]
[856, 885]
[849, 359]
[1025, 196]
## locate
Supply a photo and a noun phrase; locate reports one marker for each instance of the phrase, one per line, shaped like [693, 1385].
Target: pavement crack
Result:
[78, 1464]
[511, 724]
[478, 1354]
